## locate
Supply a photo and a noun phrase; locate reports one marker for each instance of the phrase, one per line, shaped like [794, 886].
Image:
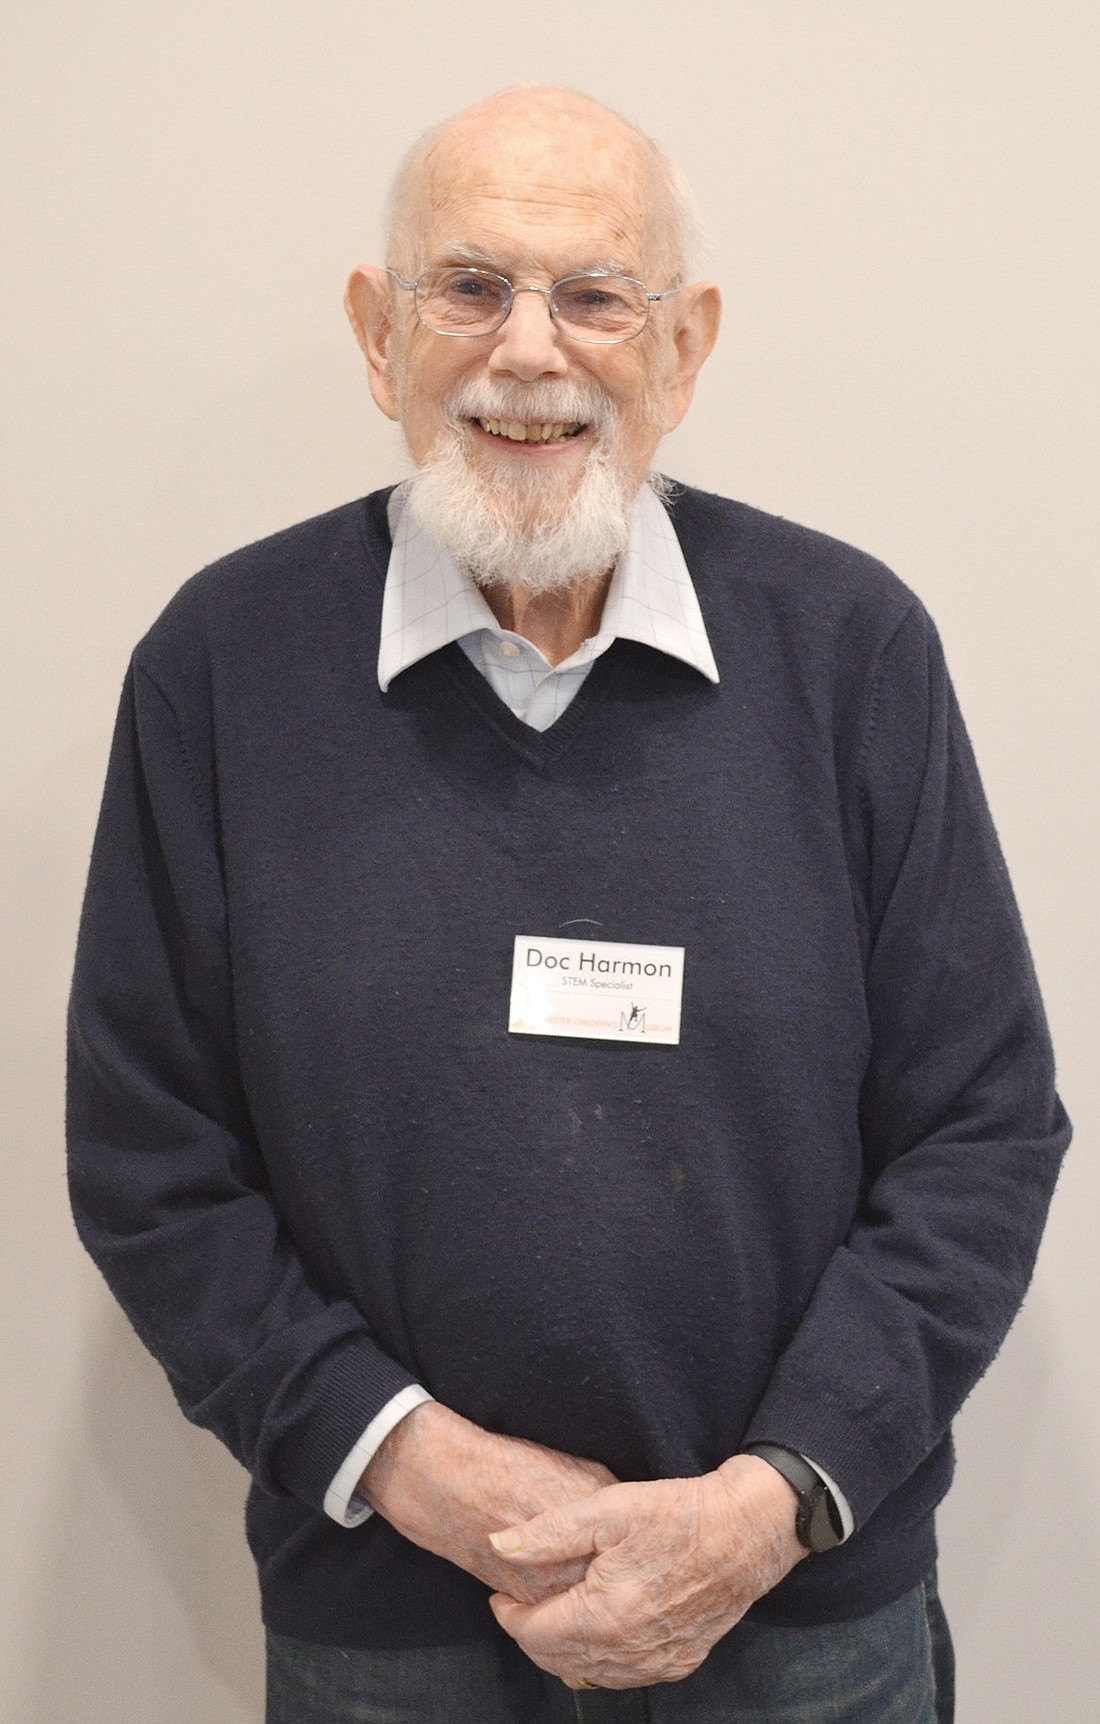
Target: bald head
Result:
[554, 141]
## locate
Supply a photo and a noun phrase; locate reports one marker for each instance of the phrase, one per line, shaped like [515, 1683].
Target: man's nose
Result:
[528, 343]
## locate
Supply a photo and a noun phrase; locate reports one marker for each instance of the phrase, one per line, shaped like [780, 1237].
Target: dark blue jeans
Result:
[894, 1667]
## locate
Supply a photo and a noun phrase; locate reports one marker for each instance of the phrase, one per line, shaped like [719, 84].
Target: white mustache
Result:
[534, 403]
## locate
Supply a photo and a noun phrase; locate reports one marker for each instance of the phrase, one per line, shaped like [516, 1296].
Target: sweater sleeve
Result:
[961, 1128]
[166, 1174]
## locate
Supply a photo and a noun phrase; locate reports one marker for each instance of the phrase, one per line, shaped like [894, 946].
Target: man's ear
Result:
[698, 312]
[368, 305]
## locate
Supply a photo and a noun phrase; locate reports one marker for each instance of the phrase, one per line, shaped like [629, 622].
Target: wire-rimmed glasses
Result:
[595, 306]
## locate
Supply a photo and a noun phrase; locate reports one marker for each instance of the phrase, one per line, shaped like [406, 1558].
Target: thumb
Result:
[556, 1535]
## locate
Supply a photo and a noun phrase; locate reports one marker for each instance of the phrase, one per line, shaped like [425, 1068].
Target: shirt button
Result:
[509, 649]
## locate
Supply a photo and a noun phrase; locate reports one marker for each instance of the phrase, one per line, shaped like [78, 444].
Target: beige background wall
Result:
[903, 203]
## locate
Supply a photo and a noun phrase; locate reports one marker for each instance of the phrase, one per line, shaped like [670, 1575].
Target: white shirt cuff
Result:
[341, 1502]
[847, 1518]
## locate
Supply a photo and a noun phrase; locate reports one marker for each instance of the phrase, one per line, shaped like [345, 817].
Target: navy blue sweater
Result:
[314, 1166]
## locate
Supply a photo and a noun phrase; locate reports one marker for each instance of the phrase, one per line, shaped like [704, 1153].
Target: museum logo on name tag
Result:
[603, 989]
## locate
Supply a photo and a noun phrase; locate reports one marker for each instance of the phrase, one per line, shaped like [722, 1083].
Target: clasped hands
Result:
[616, 1585]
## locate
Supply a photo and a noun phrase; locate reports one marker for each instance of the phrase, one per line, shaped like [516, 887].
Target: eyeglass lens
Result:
[474, 302]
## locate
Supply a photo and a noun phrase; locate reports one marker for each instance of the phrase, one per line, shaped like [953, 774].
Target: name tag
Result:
[605, 990]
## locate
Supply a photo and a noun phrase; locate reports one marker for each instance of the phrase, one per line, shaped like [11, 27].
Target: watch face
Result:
[817, 1521]
[821, 1529]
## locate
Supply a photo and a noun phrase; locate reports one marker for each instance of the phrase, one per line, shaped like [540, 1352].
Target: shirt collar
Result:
[428, 602]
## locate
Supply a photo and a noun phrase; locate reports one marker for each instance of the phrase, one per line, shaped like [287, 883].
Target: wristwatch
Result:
[817, 1521]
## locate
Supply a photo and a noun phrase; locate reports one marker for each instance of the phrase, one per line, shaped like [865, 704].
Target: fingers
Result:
[670, 1571]
[507, 1611]
[530, 1584]
[572, 1531]
[573, 1640]
[551, 1632]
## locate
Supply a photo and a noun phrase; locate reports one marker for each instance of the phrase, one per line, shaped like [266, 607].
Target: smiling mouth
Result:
[518, 432]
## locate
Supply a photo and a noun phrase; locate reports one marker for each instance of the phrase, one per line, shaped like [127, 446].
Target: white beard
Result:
[522, 525]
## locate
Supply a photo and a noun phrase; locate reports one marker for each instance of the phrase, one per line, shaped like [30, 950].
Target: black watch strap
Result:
[817, 1519]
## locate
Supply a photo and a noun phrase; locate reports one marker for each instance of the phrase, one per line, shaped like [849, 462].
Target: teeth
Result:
[519, 433]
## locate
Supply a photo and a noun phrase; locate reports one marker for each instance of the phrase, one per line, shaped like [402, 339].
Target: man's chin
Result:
[544, 525]
[535, 486]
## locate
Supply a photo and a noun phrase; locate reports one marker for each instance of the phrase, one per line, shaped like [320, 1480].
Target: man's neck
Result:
[557, 623]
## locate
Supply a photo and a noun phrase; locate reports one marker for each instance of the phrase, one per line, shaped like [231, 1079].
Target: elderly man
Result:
[557, 1076]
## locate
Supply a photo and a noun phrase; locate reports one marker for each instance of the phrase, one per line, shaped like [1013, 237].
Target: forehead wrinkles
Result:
[514, 190]
[540, 229]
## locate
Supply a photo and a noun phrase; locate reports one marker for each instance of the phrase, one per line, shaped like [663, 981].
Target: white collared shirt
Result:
[429, 602]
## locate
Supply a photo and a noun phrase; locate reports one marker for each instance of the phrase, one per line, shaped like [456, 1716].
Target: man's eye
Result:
[592, 302]
[473, 290]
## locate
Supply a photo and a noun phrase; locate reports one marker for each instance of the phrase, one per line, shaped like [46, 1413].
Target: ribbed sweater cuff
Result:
[352, 1384]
